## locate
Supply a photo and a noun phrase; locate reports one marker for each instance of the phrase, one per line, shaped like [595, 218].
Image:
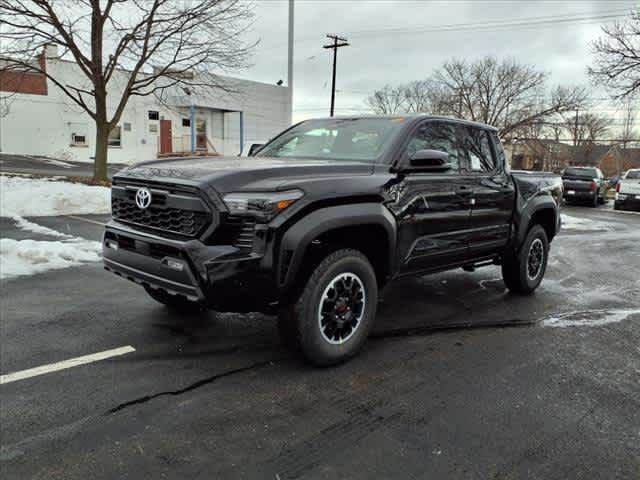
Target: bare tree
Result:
[587, 128]
[630, 112]
[387, 101]
[616, 61]
[509, 95]
[130, 47]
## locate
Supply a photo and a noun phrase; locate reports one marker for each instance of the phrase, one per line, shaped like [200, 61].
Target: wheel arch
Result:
[367, 227]
[539, 211]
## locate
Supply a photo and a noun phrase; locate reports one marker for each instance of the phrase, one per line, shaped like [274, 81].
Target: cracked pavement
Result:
[217, 396]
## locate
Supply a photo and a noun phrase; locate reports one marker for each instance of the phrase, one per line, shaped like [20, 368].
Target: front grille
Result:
[166, 213]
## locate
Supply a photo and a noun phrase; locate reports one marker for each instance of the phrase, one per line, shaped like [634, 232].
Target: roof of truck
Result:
[416, 117]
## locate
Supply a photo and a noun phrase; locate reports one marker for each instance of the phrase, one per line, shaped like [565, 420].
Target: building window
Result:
[126, 126]
[153, 128]
[153, 115]
[115, 137]
[186, 122]
[78, 134]
[78, 139]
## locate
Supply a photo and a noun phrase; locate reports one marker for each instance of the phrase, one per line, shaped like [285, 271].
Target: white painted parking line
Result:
[72, 362]
[95, 222]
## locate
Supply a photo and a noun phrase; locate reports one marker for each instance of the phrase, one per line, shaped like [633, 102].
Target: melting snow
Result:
[21, 196]
[570, 222]
[590, 318]
[27, 257]
[25, 224]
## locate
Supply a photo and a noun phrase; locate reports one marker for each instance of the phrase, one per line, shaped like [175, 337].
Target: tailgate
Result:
[630, 187]
[577, 184]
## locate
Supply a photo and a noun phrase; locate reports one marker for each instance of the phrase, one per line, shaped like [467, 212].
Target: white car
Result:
[628, 191]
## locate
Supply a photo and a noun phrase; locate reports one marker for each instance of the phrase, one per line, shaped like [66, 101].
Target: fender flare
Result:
[534, 205]
[298, 237]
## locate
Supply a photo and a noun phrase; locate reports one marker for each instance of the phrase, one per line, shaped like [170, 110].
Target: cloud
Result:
[378, 56]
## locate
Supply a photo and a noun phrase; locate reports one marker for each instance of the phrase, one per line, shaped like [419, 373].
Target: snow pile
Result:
[570, 222]
[26, 257]
[590, 318]
[25, 224]
[42, 197]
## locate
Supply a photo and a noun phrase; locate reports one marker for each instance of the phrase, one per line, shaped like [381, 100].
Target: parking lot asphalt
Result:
[546, 386]
[37, 165]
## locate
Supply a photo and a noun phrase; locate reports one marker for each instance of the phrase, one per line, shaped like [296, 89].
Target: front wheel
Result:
[522, 272]
[331, 318]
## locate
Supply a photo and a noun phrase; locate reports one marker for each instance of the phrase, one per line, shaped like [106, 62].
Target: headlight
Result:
[264, 205]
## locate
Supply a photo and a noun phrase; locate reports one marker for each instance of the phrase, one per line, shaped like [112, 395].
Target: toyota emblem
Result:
[143, 198]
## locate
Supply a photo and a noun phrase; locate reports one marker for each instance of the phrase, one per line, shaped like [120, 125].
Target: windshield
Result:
[633, 175]
[580, 172]
[361, 139]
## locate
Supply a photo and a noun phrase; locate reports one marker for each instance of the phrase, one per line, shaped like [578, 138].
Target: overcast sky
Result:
[387, 45]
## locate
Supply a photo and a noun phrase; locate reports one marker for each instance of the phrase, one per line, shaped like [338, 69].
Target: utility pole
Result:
[575, 131]
[337, 43]
[290, 59]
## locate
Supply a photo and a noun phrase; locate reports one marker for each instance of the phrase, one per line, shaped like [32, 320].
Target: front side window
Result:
[477, 148]
[436, 136]
[359, 139]
[115, 137]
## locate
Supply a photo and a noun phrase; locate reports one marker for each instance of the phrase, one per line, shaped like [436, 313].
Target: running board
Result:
[472, 267]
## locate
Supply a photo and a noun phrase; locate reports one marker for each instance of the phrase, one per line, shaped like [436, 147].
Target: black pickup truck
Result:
[584, 184]
[324, 216]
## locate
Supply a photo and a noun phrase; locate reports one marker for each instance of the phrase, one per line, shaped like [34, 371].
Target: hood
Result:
[226, 174]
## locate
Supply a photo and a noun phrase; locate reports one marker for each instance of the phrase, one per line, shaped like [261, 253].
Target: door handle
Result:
[464, 190]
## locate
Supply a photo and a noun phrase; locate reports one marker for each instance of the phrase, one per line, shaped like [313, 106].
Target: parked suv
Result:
[324, 216]
[584, 184]
[628, 191]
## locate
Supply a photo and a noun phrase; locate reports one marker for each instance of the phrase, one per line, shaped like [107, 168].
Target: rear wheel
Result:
[523, 271]
[174, 302]
[329, 321]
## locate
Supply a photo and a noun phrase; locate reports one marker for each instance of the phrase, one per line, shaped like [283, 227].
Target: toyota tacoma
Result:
[322, 217]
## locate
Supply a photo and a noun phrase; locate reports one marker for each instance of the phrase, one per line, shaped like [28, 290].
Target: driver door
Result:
[432, 209]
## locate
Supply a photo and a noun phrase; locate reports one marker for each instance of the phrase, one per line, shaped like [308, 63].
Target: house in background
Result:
[540, 155]
[618, 160]
[39, 119]
[551, 155]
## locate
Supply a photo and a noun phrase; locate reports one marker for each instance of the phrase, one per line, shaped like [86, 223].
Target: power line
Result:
[486, 26]
[530, 21]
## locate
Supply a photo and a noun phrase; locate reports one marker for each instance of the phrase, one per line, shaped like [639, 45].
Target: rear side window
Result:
[436, 136]
[477, 149]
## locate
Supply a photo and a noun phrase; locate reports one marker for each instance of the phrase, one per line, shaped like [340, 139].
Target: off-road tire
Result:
[299, 323]
[516, 266]
[177, 303]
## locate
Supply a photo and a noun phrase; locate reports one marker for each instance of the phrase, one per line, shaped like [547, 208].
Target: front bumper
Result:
[222, 277]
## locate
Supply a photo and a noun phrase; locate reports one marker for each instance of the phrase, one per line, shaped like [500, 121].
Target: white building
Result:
[39, 119]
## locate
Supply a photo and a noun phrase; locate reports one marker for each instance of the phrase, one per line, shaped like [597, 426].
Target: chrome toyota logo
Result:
[143, 198]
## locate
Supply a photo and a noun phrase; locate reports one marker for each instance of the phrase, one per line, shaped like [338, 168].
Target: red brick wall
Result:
[25, 82]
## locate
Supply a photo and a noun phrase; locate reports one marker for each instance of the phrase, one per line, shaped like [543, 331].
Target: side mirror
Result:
[429, 161]
[254, 148]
